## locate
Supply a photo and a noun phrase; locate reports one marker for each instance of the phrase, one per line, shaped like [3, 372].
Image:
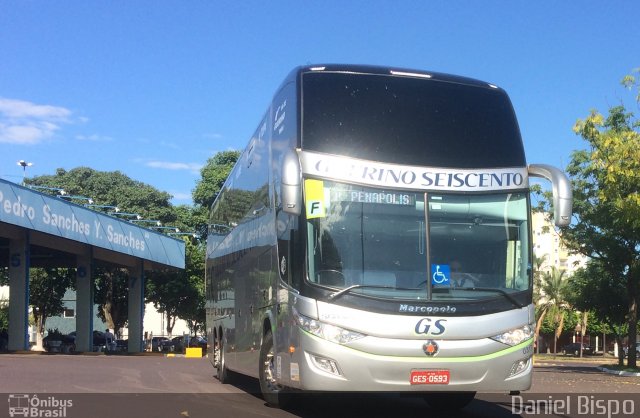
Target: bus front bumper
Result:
[326, 366]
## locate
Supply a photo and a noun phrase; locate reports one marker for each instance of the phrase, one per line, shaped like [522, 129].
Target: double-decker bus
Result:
[375, 235]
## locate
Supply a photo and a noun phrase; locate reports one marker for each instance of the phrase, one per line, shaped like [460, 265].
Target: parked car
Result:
[56, 342]
[122, 345]
[177, 344]
[198, 341]
[157, 343]
[626, 350]
[573, 349]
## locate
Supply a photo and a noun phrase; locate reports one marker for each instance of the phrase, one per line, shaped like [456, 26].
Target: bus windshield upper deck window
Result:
[411, 121]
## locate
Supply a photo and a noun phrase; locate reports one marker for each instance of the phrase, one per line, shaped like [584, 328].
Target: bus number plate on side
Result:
[429, 377]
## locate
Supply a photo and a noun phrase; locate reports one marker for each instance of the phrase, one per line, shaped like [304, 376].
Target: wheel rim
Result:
[220, 359]
[269, 372]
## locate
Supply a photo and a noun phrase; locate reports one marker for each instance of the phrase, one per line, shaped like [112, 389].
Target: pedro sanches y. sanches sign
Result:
[67, 222]
[40, 212]
[412, 177]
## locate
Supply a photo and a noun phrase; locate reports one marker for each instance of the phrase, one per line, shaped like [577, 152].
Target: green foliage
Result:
[4, 315]
[177, 294]
[595, 289]
[169, 291]
[112, 294]
[631, 82]
[54, 333]
[47, 287]
[538, 263]
[555, 288]
[214, 174]
[193, 310]
[606, 190]
[112, 189]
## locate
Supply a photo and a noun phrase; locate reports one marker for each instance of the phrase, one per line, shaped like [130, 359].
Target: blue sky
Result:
[154, 88]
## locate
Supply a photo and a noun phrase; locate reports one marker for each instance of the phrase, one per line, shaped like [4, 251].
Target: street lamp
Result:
[192, 234]
[115, 208]
[167, 227]
[155, 221]
[55, 189]
[76, 197]
[125, 214]
[24, 165]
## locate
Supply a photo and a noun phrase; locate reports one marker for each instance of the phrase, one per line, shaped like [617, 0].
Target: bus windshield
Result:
[410, 121]
[380, 241]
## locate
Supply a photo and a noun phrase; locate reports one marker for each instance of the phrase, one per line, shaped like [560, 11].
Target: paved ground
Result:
[107, 374]
[155, 386]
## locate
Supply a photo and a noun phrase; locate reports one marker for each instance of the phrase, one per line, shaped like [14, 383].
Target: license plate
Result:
[429, 377]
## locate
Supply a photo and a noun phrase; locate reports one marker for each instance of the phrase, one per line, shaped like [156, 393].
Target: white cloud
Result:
[213, 136]
[166, 165]
[23, 122]
[94, 138]
[169, 145]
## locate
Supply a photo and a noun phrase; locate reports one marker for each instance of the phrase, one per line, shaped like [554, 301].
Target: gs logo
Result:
[429, 327]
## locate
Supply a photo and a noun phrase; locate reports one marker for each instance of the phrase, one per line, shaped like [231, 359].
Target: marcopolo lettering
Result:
[427, 309]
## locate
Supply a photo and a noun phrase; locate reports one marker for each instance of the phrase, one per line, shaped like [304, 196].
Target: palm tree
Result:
[538, 300]
[554, 290]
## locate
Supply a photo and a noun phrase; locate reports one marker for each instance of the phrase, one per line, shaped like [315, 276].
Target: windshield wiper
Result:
[356, 286]
[495, 290]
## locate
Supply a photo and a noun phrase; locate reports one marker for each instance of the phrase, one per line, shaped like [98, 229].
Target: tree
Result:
[538, 297]
[47, 287]
[554, 288]
[214, 174]
[595, 290]
[169, 291]
[112, 294]
[606, 185]
[193, 310]
[112, 189]
[181, 294]
[4, 324]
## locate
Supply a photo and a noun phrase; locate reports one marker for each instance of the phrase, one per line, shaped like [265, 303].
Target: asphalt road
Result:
[155, 386]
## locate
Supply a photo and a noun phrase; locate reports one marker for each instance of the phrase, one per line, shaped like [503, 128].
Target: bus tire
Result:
[449, 401]
[274, 394]
[225, 376]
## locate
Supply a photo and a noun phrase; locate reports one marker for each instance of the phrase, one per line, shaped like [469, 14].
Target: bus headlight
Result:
[515, 336]
[326, 331]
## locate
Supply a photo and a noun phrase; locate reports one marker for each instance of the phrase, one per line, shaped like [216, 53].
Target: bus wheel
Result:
[449, 401]
[273, 393]
[224, 374]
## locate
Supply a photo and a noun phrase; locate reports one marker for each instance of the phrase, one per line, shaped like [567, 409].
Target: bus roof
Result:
[398, 71]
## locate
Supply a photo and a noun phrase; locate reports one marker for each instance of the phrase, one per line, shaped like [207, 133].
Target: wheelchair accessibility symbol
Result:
[440, 274]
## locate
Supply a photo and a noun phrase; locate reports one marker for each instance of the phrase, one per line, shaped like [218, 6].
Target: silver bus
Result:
[375, 235]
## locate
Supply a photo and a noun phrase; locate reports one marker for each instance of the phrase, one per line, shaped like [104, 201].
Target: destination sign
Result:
[412, 177]
[386, 198]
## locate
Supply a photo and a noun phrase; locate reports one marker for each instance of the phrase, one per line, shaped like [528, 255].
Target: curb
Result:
[82, 353]
[172, 355]
[618, 372]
